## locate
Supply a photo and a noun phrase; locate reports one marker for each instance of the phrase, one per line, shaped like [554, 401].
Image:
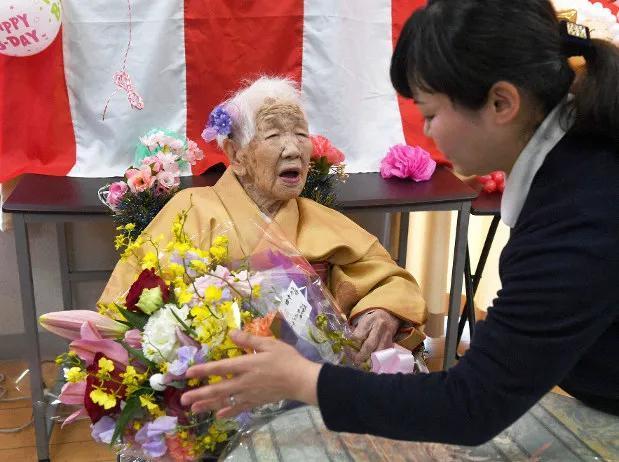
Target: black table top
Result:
[76, 195]
[487, 204]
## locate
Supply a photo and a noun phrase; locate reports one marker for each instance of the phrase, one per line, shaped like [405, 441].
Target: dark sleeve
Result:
[559, 277]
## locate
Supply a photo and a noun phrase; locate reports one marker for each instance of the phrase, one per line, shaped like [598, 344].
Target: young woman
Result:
[493, 81]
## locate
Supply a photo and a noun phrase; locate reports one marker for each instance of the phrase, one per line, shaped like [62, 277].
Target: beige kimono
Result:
[362, 274]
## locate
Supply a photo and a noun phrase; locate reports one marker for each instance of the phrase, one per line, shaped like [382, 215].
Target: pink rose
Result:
[169, 162]
[193, 153]
[116, 192]
[168, 180]
[153, 162]
[131, 172]
[323, 148]
[141, 180]
[407, 162]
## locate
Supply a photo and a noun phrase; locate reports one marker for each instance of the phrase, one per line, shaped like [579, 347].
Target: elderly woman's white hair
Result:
[245, 104]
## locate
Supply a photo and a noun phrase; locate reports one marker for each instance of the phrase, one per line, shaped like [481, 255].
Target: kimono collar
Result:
[245, 213]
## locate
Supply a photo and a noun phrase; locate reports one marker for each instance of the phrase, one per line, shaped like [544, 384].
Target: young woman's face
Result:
[465, 137]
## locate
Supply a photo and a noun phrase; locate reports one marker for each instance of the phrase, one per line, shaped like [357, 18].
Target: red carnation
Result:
[146, 280]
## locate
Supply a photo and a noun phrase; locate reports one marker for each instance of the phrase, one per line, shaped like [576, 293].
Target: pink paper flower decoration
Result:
[405, 161]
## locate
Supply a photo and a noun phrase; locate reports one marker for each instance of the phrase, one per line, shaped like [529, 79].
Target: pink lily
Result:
[91, 342]
[133, 338]
[73, 394]
[67, 324]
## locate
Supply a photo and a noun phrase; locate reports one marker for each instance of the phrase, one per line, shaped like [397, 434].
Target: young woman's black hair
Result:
[461, 48]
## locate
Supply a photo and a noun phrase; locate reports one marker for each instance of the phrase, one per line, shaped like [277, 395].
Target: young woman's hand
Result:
[274, 372]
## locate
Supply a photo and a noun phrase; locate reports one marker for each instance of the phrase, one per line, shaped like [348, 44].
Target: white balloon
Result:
[28, 27]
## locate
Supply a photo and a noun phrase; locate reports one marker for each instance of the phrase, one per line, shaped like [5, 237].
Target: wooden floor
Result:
[73, 443]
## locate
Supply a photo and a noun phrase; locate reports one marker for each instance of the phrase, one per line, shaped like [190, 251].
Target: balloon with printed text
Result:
[28, 27]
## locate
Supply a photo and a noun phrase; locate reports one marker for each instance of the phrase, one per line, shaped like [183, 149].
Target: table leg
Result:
[26, 286]
[469, 308]
[485, 252]
[455, 293]
[403, 239]
[63, 258]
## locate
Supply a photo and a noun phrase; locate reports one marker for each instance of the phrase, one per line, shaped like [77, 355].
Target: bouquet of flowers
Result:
[326, 168]
[126, 363]
[155, 177]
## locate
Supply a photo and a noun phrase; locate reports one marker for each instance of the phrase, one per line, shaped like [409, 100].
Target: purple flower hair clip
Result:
[219, 123]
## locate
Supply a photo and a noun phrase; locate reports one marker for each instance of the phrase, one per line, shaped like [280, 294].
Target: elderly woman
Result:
[269, 150]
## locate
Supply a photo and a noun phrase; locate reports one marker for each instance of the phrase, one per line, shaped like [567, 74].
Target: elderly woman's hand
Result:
[274, 372]
[375, 331]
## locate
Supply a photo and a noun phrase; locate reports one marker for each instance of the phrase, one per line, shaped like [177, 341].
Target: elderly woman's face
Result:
[277, 159]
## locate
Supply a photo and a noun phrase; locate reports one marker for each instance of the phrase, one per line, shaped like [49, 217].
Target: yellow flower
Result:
[218, 253]
[75, 374]
[198, 265]
[183, 297]
[150, 260]
[147, 402]
[246, 316]
[214, 379]
[130, 226]
[212, 294]
[119, 241]
[59, 359]
[105, 366]
[182, 248]
[193, 382]
[132, 379]
[163, 367]
[176, 269]
[106, 400]
[110, 310]
[200, 313]
[221, 241]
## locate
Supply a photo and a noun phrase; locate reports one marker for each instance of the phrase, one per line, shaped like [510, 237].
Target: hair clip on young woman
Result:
[576, 39]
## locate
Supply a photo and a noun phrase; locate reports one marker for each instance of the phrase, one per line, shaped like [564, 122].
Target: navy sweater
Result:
[555, 320]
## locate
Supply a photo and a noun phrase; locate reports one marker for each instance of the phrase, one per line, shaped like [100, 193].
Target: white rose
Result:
[159, 341]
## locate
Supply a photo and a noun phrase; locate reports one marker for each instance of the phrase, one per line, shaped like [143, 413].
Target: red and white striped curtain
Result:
[187, 56]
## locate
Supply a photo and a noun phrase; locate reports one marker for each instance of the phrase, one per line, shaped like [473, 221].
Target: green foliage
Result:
[320, 187]
[140, 209]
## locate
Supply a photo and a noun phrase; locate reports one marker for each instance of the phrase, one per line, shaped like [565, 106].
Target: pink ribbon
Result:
[122, 79]
[393, 360]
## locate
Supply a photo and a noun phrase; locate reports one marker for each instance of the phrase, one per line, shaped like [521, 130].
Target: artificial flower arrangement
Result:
[403, 161]
[493, 182]
[326, 169]
[153, 179]
[126, 363]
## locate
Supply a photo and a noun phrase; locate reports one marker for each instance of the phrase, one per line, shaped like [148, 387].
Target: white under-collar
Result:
[518, 183]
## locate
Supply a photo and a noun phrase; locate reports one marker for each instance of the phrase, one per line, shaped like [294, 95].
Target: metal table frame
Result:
[42, 422]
